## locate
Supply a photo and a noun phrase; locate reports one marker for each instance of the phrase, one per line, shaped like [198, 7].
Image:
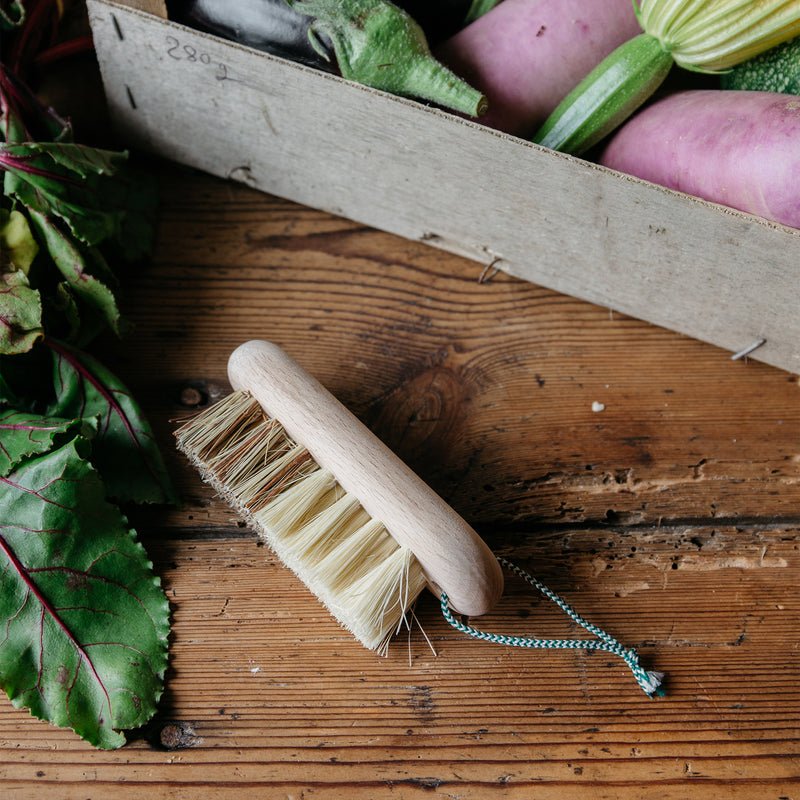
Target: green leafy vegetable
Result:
[78, 158]
[72, 263]
[23, 117]
[18, 248]
[85, 620]
[70, 200]
[23, 434]
[125, 451]
[57, 181]
[20, 314]
[89, 189]
[64, 304]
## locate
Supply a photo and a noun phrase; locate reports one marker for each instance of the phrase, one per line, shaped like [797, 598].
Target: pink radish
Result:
[526, 55]
[741, 149]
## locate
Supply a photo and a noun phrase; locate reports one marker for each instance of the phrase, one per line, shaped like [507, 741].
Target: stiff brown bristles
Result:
[349, 560]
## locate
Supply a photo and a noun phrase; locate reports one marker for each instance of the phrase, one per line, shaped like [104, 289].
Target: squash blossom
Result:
[700, 35]
[714, 35]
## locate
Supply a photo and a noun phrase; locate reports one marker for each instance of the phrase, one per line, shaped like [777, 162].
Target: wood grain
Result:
[713, 273]
[669, 518]
[276, 701]
[485, 389]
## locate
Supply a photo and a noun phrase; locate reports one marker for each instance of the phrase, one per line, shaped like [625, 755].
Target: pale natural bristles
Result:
[323, 534]
[298, 504]
[354, 556]
[314, 540]
[395, 580]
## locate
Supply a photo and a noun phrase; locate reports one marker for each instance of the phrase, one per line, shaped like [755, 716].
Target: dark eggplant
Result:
[271, 25]
[268, 25]
[373, 42]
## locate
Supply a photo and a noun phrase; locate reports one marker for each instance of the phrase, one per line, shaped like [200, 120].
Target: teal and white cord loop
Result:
[649, 681]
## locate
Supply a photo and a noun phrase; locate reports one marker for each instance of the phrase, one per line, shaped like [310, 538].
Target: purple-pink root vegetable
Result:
[740, 149]
[527, 55]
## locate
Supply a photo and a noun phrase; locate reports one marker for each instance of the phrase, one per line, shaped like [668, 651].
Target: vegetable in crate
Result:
[741, 149]
[268, 25]
[702, 35]
[272, 26]
[369, 41]
[777, 70]
[526, 55]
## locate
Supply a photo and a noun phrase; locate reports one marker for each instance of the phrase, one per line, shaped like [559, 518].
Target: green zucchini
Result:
[607, 96]
[777, 70]
[699, 35]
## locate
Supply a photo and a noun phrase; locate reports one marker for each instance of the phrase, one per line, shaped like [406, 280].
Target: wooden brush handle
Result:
[455, 559]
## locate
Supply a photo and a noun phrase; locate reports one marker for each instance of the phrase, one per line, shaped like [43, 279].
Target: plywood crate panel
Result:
[710, 272]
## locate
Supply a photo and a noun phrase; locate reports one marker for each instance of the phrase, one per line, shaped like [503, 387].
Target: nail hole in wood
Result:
[192, 397]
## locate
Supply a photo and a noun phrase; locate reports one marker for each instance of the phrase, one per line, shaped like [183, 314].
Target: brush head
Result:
[323, 534]
[453, 556]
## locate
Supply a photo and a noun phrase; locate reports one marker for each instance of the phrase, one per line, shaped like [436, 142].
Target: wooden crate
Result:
[707, 271]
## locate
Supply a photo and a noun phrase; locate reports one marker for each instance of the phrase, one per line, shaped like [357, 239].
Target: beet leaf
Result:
[124, 450]
[18, 248]
[20, 314]
[23, 118]
[41, 183]
[72, 263]
[85, 621]
[23, 434]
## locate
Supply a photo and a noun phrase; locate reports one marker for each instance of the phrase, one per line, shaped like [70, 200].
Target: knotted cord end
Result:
[653, 686]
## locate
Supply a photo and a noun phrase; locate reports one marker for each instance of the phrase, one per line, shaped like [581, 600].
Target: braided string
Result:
[649, 681]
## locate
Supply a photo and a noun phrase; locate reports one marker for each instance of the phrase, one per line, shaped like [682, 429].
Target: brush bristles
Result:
[349, 560]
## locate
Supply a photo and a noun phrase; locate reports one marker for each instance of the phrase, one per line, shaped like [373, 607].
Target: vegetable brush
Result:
[358, 527]
[342, 511]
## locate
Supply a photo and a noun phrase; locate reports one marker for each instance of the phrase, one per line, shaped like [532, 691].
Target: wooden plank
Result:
[485, 389]
[715, 274]
[277, 701]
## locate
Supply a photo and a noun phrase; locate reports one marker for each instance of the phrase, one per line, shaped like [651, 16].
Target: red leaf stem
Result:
[72, 47]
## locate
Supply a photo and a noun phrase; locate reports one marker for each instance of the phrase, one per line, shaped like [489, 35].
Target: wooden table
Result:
[670, 518]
